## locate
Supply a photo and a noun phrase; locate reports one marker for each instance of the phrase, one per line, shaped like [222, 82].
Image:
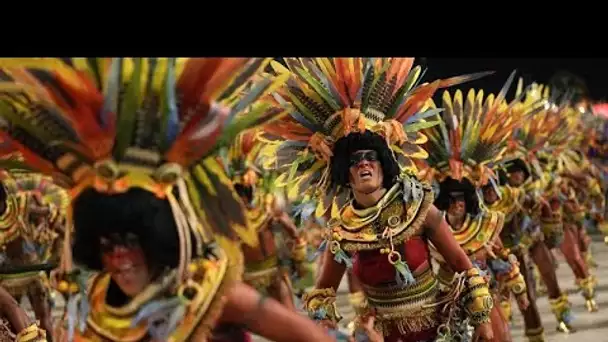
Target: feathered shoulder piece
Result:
[328, 98]
[473, 134]
[152, 123]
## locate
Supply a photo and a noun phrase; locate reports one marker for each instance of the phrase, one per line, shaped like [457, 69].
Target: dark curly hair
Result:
[136, 211]
[345, 146]
[442, 202]
[512, 166]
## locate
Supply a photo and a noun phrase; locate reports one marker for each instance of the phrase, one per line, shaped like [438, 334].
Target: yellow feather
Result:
[180, 64]
[160, 74]
[201, 175]
[50, 64]
[278, 67]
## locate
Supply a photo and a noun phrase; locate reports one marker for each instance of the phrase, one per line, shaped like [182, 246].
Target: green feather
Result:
[19, 119]
[420, 125]
[318, 87]
[127, 113]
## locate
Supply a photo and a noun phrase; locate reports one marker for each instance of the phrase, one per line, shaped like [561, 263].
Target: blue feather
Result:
[172, 116]
[155, 308]
[499, 266]
[176, 317]
[423, 115]
[72, 312]
[110, 103]
[341, 257]
[250, 97]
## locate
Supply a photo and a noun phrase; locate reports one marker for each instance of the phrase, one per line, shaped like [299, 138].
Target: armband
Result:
[31, 333]
[299, 251]
[321, 305]
[477, 300]
[517, 283]
[512, 277]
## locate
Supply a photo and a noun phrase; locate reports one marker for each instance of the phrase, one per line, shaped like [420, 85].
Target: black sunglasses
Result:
[359, 156]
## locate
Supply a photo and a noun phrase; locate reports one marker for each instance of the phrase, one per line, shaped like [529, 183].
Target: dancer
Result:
[153, 211]
[534, 224]
[33, 218]
[265, 212]
[562, 162]
[346, 136]
[461, 164]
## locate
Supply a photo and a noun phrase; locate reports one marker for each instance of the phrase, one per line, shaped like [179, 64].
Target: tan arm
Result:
[268, 318]
[10, 309]
[288, 226]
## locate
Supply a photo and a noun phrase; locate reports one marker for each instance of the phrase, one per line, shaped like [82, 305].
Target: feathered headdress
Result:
[532, 136]
[473, 135]
[329, 98]
[150, 123]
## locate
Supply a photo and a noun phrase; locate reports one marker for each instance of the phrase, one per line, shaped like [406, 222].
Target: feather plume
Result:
[65, 115]
[475, 133]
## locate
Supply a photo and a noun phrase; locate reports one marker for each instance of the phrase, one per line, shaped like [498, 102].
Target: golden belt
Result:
[262, 274]
[409, 309]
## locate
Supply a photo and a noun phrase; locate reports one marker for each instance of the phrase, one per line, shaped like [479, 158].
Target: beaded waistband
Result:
[262, 274]
[270, 262]
[391, 301]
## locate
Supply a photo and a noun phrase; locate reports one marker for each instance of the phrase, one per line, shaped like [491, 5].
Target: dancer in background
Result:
[461, 155]
[265, 210]
[562, 162]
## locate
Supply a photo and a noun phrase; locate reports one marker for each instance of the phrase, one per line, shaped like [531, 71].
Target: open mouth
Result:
[125, 268]
[365, 174]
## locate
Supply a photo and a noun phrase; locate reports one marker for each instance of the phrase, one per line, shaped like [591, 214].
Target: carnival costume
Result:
[265, 269]
[32, 234]
[598, 155]
[147, 128]
[565, 163]
[339, 109]
[462, 150]
[536, 226]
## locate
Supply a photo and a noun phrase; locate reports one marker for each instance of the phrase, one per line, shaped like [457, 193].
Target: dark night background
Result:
[593, 71]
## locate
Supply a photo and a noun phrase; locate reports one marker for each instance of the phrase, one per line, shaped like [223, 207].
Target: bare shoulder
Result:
[433, 219]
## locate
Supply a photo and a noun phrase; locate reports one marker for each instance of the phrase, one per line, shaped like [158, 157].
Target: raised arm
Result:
[287, 224]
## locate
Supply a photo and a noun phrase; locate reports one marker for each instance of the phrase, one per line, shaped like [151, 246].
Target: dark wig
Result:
[449, 185]
[513, 166]
[136, 211]
[244, 191]
[345, 146]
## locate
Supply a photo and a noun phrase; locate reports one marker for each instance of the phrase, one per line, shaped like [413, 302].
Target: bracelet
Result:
[321, 305]
[31, 333]
[298, 252]
[478, 300]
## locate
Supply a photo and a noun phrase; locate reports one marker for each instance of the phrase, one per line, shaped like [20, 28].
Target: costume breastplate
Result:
[392, 218]
[107, 323]
[510, 202]
[479, 231]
